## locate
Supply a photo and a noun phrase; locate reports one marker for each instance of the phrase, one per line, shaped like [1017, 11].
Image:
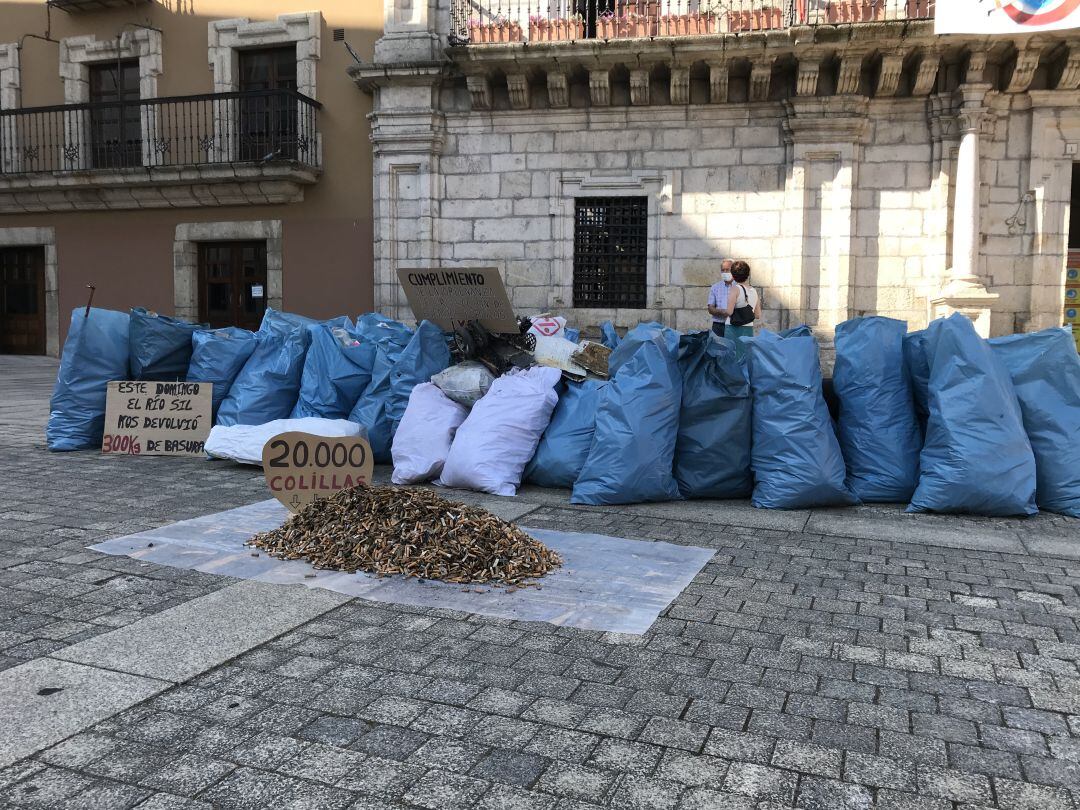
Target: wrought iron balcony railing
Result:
[252, 127]
[484, 22]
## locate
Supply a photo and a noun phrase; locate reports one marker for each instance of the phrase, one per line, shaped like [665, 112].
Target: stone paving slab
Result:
[189, 639]
[78, 697]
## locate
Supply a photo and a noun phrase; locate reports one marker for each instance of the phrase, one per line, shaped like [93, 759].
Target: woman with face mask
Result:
[718, 298]
[743, 305]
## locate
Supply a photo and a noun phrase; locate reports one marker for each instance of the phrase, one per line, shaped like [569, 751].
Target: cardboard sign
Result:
[455, 295]
[157, 418]
[302, 467]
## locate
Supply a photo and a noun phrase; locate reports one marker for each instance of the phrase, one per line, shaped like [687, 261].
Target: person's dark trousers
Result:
[718, 329]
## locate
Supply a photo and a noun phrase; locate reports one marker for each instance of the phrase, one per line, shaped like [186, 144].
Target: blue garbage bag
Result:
[268, 385]
[917, 364]
[285, 322]
[1045, 372]
[396, 371]
[712, 452]
[95, 353]
[795, 457]
[565, 444]
[976, 457]
[159, 346]
[802, 330]
[337, 369]
[217, 355]
[608, 336]
[572, 334]
[878, 431]
[644, 332]
[637, 422]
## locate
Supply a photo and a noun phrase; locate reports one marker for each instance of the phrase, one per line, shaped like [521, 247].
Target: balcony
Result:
[241, 148]
[533, 21]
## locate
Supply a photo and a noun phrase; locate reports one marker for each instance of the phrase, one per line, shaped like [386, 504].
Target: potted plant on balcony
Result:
[855, 11]
[757, 20]
[498, 29]
[694, 23]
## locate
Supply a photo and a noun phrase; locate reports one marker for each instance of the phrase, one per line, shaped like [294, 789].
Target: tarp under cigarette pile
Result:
[95, 352]
[976, 458]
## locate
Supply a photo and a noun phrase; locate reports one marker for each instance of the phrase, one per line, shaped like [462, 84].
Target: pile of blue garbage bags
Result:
[940, 419]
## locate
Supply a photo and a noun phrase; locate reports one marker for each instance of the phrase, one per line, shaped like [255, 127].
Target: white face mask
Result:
[725, 276]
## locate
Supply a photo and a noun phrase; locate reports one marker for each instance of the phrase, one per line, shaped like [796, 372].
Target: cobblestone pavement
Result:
[835, 659]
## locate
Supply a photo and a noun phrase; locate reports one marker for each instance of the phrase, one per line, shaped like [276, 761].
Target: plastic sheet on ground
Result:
[977, 458]
[796, 457]
[605, 583]
[95, 352]
[878, 431]
[1045, 371]
[712, 452]
[160, 347]
[244, 443]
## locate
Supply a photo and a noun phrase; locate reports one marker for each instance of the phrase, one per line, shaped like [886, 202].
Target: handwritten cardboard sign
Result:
[157, 418]
[447, 296]
[302, 467]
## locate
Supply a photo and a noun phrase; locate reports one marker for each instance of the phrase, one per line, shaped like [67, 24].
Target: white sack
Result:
[465, 383]
[244, 443]
[500, 435]
[425, 434]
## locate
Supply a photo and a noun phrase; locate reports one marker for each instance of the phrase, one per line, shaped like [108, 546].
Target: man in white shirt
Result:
[718, 298]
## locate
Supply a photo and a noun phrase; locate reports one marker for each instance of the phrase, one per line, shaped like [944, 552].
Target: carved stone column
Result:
[407, 136]
[964, 291]
[825, 135]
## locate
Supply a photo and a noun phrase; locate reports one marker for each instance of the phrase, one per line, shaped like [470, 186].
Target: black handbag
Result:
[743, 315]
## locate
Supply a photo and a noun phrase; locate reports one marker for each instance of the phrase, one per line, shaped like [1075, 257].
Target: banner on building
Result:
[1005, 16]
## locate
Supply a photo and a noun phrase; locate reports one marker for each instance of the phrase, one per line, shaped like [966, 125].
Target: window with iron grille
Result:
[610, 239]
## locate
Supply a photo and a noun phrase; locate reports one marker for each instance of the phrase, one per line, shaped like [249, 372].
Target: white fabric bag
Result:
[244, 443]
[425, 434]
[500, 435]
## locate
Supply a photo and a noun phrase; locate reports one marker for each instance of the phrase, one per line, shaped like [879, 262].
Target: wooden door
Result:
[268, 122]
[232, 283]
[115, 125]
[22, 300]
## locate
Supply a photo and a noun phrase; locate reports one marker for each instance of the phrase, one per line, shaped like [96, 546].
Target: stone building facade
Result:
[860, 168]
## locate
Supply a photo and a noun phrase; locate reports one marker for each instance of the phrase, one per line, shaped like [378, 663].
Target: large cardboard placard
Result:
[157, 418]
[449, 296]
[302, 467]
